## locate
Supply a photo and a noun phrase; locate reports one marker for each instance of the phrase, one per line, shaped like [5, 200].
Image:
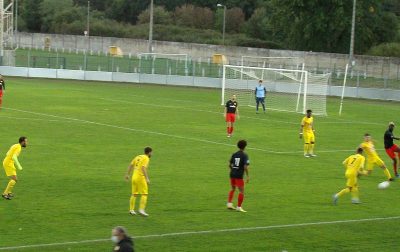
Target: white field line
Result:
[71, 119]
[208, 232]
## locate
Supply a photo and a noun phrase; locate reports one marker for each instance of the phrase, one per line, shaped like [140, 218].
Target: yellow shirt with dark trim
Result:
[14, 150]
[353, 164]
[307, 124]
[138, 162]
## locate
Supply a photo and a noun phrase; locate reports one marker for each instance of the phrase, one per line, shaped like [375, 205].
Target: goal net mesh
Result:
[287, 90]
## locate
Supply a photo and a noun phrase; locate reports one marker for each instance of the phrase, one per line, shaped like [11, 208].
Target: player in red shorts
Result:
[2, 88]
[391, 148]
[230, 112]
[238, 165]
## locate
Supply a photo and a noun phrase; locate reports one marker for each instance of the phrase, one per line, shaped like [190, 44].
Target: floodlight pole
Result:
[353, 24]
[150, 49]
[223, 23]
[88, 24]
[16, 16]
[1, 31]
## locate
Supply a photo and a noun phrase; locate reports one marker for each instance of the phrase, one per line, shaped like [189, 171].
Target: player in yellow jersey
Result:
[140, 181]
[372, 156]
[9, 163]
[307, 133]
[354, 165]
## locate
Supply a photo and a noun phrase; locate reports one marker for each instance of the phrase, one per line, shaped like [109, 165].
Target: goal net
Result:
[287, 89]
[273, 62]
[163, 63]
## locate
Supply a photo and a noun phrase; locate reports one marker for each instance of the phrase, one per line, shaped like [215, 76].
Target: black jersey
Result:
[237, 163]
[388, 139]
[231, 106]
[2, 85]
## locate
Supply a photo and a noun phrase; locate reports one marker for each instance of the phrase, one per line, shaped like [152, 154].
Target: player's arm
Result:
[237, 112]
[301, 129]
[225, 110]
[395, 138]
[129, 172]
[246, 171]
[15, 158]
[144, 170]
[345, 162]
[361, 170]
[265, 91]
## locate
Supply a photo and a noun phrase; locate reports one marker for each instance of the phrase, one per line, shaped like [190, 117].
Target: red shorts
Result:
[391, 151]
[230, 117]
[1, 93]
[238, 182]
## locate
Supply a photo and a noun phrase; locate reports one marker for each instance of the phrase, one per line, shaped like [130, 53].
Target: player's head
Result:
[23, 141]
[148, 150]
[233, 98]
[260, 82]
[242, 144]
[359, 150]
[309, 112]
[118, 234]
[391, 126]
[367, 137]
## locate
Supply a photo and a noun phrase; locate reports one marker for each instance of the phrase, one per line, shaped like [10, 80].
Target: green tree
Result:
[324, 25]
[49, 9]
[30, 14]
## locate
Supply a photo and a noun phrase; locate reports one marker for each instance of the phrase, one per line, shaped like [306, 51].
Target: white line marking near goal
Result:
[208, 232]
[71, 119]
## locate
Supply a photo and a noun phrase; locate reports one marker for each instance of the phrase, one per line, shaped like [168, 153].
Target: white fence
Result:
[190, 81]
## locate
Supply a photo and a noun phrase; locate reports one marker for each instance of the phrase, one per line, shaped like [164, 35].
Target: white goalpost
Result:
[289, 90]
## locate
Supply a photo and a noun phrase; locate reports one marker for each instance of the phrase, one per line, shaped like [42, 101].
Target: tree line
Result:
[310, 25]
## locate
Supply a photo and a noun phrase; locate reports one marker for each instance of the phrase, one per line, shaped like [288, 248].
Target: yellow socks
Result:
[387, 173]
[10, 187]
[306, 149]
[354, 193]
[132, 203]
[311, 149]
[143, 202]
[342, 192]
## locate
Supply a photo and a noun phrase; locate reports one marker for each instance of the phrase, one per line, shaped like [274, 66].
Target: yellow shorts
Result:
[352, 180]
[10, 169]
[309, 137]
[371, 162]
[139, 186]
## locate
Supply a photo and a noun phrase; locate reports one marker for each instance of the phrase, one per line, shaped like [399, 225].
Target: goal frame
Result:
[303, 81]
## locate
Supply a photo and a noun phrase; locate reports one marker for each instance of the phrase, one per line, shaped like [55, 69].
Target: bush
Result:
[386, 50]
[160, 15]
[194, 16]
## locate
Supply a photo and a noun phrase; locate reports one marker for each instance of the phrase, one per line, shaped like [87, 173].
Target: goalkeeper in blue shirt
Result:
[260, 93]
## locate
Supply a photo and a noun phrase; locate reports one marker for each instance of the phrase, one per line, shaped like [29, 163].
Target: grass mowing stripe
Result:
[210, 232]
[155, 133]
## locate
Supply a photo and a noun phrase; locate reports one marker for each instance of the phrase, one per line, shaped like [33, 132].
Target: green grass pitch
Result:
[82, 136]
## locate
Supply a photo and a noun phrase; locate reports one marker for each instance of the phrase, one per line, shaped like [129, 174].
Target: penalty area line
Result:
[208, 232]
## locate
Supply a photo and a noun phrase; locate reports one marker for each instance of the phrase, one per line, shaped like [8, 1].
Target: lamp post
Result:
[223, 24]
[150, 49]
[353, 24]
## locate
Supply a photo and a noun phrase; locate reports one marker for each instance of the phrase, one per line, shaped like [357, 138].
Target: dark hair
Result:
[260, 81]
[121, 230]
[21, 139]
[147, 150]
[242, 144]
[367, 134]
[309, 110]
[359, 150]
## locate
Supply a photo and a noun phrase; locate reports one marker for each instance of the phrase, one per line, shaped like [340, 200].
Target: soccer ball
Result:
[383, 185]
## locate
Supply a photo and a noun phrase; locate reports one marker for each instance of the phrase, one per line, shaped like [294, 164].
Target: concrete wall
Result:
[190, 81]
[382, 67]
